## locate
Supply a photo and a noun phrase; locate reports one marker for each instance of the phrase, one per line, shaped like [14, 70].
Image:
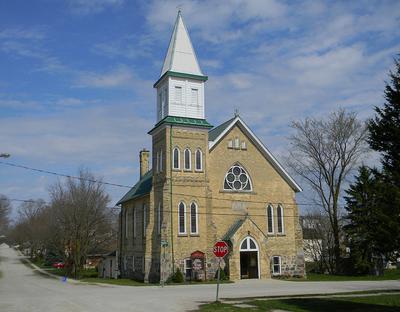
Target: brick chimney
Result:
[144, 162]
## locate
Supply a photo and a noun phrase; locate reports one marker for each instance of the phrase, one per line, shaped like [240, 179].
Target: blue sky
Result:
[76, 76]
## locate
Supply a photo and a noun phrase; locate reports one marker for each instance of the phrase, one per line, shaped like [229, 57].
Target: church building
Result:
[206, 184]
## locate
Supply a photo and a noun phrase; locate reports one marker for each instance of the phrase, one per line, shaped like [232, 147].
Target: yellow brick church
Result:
[206, 184]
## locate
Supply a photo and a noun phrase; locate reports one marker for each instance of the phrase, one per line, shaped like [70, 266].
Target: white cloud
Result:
[120, 77]
[84, 7]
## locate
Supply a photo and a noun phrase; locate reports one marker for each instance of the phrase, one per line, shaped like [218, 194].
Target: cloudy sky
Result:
[76, 76]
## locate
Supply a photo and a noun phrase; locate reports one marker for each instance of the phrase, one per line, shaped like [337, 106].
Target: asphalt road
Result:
[21, 289]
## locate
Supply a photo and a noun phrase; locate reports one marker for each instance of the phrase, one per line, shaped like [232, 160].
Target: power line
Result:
[173, 210]
[62, 175]
[128, 186]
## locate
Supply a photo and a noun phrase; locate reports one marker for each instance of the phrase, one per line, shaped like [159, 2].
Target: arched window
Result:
[176, 158]
[144, 219]
[159, 208]
[194, 222]
[188, 159]
[126, 223]
[199, 160]
[248, 244]
[279, 217]
[270, 219]
[182, 218]
[237, 179]
[160, 162]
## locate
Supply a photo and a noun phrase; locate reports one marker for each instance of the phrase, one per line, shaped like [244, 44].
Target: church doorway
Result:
[249, 259]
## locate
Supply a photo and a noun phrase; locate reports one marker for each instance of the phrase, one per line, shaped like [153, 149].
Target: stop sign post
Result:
[220, 250]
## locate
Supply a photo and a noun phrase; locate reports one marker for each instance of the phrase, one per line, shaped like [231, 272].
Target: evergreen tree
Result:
[373, 201]
[367, 228]
[385, 137]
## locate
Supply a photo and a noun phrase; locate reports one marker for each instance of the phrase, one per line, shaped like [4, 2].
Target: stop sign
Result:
[221, 249]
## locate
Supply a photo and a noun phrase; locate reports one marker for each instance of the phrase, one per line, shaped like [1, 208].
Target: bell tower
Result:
[180, 88]
[180, 151]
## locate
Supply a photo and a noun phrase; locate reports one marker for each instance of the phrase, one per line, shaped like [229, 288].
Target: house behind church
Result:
[207, 184]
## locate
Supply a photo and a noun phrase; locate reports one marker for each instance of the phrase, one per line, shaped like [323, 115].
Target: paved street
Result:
[23, 290]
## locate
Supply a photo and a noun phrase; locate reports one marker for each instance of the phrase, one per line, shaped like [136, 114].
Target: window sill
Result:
[176, 169]
[238, 192]
[194, 234]
[199, 171]
[182, 235]
[187, 170]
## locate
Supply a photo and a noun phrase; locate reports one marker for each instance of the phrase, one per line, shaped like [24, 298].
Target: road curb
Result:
[58, 277]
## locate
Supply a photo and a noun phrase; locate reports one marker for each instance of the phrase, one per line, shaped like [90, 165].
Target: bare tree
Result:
[5, 208]
[31, 228]
[318, 241]
[82, 220]
[323, 152]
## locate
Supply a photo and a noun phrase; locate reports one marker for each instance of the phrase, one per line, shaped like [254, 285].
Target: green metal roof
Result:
[232, 230]
[215, 132]
[185, 121]
[141, 188]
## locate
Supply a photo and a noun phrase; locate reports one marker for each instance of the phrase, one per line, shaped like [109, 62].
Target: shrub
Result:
[176, 277]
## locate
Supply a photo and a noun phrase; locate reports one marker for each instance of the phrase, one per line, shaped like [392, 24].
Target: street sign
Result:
[221, 249]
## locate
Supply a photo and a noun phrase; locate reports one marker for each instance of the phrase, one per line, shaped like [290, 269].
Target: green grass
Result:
[393, 274]
[129, 282]
[120, 281]
[378, 303]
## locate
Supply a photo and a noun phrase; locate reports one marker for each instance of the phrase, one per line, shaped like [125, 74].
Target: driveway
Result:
[23, 290]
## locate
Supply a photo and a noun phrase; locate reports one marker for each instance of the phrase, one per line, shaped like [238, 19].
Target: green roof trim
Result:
[141, 188]
[215, 132]
[180, 75]
[232, 230]
[183, 121]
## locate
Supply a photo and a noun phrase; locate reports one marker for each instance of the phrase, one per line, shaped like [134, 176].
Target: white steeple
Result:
[181, 57]
[180, 88]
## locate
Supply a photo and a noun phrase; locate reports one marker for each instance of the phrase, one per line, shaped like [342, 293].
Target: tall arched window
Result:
[182, 218]
[237, 179]
[176, 158]
[188, 159]
[279, 217]
[194, 225]
[159, 208]
[270, 219]
[161, 161]
[199, 160]
[126, 223]
[144, 219]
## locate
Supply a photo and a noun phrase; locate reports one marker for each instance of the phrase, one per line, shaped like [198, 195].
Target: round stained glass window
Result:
[237, 179]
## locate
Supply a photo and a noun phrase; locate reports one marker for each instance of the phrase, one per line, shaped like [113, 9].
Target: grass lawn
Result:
[112, 281]
[393, 274]
[129, 282]
[377, 303]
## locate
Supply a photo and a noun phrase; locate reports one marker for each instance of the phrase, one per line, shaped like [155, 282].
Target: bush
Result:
[176, 277]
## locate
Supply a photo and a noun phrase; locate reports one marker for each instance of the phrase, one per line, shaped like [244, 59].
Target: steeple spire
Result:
[181, 57]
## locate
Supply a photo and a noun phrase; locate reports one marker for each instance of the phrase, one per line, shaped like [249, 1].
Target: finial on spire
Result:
[179, 7]
[236, 112]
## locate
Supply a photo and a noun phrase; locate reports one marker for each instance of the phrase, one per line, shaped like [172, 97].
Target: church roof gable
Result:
[181, 56]
[218, 133]
[142, 187]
